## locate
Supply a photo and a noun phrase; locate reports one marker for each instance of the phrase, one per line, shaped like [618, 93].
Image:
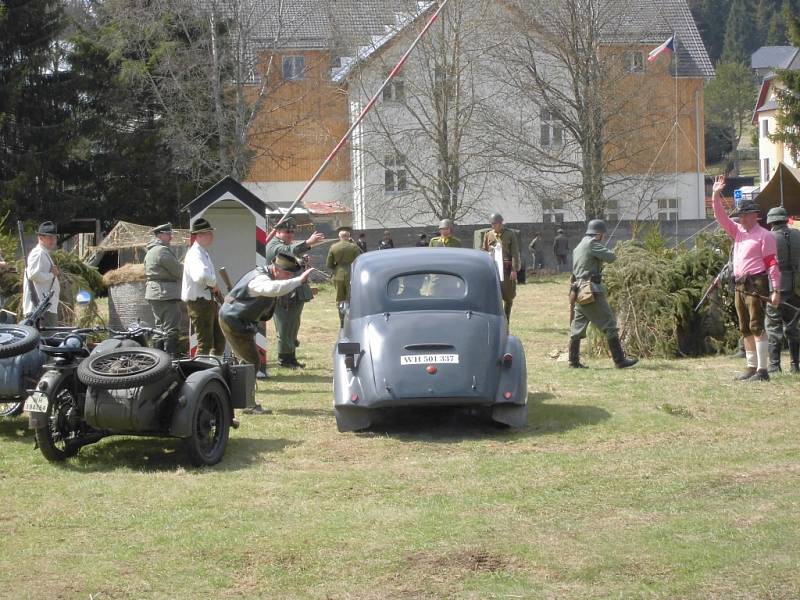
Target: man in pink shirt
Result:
[757, 275]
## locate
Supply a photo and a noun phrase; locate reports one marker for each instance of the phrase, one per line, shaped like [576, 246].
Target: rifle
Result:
[34, 293]
[39, 311]
[223, 273]
[712, 286]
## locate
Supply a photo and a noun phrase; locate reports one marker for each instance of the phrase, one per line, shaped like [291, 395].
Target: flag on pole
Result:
[668, 46]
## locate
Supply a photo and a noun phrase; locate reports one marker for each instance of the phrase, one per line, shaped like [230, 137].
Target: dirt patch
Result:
[460, 561]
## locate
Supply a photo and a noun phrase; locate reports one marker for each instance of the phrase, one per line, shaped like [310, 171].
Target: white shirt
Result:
[38, 272]
[198, 274]
[262, 285]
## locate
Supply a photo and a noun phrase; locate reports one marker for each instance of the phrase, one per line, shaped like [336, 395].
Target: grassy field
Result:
[665, 480]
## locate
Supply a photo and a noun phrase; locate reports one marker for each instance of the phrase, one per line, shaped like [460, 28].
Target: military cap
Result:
[746, 207]
[287, 262]
[165, 228]
[345, 228]
[445, 224]
[596, 226]
[201, 226]
[496, 218]
[559, 230]
[46, 228]
[777, 215]
[288, 225]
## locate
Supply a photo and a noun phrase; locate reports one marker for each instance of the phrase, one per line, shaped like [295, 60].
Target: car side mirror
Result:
[350, 350]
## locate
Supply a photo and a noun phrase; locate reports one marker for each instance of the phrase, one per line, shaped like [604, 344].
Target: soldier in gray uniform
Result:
[780, 320]
[587, 267]
[289, 308]
[164, 272]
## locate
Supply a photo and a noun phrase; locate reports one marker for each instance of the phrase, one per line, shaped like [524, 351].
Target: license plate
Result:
[36, 403]
[429, 359]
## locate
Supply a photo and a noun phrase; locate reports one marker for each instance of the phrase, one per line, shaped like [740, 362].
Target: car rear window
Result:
[442, 286]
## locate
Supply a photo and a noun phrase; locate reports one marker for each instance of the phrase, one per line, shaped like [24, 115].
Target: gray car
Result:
[425, 327]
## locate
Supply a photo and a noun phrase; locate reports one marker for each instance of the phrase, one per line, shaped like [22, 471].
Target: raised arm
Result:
[719, 211]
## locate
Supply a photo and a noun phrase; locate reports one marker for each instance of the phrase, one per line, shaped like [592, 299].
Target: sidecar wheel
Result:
[17, 339]
[11, 409]
[54, 438]
[124, 368]
[211, 424]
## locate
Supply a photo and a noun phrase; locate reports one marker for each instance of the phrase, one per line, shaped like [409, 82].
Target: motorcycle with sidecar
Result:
[122, 387]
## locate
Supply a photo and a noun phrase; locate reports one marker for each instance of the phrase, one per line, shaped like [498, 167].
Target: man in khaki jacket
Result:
[164, 272]
[501, 239]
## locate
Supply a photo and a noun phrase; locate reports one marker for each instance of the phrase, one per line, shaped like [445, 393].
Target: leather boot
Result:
[774, 357]
[618, 354]
[794, 356]
[575, 354]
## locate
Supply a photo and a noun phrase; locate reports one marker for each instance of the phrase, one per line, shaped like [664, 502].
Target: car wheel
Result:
[211, 424]
[56, 439]
[17, 339]
[124, 368]
[11, 409]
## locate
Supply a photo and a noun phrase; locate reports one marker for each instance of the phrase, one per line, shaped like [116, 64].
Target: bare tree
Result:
[214, 70]
[578, 117]
[426, 135]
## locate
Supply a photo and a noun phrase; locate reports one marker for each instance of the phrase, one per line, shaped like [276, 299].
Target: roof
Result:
[631, 22]
[326, 208]
[773, 57]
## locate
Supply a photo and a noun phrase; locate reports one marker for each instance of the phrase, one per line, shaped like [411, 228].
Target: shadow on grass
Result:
[152, 455]
[659, 366]
[451, 424]
[15, 429]
[297, 378]
[305, 412]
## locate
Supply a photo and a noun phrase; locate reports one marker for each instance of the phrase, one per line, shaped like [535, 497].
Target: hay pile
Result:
[654, 290]
[130, 273]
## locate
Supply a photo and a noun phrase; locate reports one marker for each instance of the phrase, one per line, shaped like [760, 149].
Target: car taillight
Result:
[507, 395]
[507, 360]
[431, 369]
[354, 398]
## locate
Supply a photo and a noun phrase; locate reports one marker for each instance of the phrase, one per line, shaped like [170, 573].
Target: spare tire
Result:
[124, 368]
[17, 339]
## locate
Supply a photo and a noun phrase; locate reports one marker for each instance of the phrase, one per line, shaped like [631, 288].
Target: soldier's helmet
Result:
[496, 218]
[445, 224]
[288, 225]
[596, 226]
[777, 215]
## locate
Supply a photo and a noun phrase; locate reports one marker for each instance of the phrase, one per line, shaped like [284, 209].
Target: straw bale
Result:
[130, 273]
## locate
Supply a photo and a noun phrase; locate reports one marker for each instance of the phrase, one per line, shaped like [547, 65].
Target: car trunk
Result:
[444, 362]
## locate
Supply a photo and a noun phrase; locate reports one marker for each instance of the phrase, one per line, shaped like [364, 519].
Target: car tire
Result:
[124, 368]
[17, 339]
[211, 423]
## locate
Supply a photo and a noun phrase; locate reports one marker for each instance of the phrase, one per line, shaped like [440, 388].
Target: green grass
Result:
[665, 480]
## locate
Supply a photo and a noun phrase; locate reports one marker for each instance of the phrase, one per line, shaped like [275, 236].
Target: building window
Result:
[394, 174]
[553, 211]
[764, 128]
[634, 62]
[395, 91]
[552, 132]
[667, 209]
[612, 210]
[294, 67]
[765, 170]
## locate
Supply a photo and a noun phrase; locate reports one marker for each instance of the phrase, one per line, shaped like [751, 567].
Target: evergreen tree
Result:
[740, 35]
[788, 93]
[36, 141]
[708, 15]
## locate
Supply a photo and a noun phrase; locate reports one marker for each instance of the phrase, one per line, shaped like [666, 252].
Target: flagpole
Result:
[675, 132]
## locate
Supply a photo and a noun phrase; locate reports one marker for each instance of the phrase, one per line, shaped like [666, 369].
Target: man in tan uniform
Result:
[164, 274]
[445, 239]
[340, 256]
[501, 238]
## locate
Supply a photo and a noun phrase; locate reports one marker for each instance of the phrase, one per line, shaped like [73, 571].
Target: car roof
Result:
[373, 271]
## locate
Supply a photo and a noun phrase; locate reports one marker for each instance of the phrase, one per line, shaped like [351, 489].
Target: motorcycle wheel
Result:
[124, 368]
[211, 424]
[11, 409]
[52, 439]
[17, 339]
